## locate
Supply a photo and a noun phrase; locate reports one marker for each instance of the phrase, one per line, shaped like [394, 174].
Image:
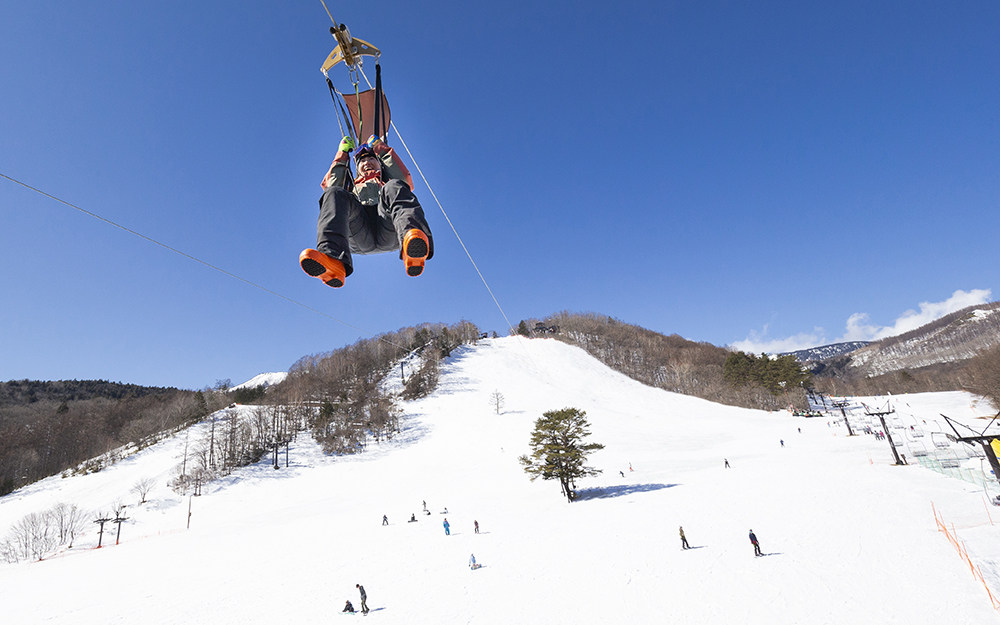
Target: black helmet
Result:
[364, 151]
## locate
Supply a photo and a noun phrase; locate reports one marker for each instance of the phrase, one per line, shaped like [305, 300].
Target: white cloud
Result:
[759, 342]
[929, 311]
[859, 327]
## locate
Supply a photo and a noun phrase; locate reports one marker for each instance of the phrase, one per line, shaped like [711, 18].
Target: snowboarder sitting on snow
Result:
[348, 607]
[374, 212]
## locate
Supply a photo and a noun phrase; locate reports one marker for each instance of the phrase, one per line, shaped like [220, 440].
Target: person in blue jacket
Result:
[756, 545]
[447, 528]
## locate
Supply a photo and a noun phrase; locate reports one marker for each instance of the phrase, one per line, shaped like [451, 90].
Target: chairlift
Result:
[940, 440]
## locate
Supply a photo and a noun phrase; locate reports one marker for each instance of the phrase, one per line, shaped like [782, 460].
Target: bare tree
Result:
[32, 537]
[142, 488]
[497, 401]
[68, 521]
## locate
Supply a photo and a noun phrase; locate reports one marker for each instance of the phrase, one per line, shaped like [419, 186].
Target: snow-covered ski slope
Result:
[848, 538]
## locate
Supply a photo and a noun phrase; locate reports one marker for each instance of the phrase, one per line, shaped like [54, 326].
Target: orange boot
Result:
[415, 250]
[319, 265]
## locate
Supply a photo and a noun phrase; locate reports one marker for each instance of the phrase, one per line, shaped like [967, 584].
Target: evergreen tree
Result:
[737, 369]
[777, 375]
[559, 451]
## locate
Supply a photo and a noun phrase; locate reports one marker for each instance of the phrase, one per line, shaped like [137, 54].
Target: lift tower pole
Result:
[842, 405]
[881, 417]
[983, 439]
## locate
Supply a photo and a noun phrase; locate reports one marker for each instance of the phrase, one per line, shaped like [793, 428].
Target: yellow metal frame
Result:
[349, 50]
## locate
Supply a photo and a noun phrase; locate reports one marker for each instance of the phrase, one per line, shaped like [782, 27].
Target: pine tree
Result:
[558, 450]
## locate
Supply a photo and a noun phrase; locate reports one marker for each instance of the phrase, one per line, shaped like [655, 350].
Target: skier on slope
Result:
[684, 540]
[375, 212]
[756, 545]
[364, 598]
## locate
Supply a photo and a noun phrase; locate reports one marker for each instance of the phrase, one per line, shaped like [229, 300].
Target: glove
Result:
[346, 145]
[377, 145]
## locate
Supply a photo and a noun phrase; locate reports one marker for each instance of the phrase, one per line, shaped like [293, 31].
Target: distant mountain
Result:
[23, 392]
[824, 352]
[951, 339]
[934, 357]
[262, 379]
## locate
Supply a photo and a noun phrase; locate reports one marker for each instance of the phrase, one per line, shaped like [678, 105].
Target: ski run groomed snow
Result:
[848, 537]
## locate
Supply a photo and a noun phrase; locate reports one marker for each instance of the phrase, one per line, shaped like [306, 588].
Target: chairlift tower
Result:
[118, 520]
[100, 534]
[885, 428]
[843, 405]
[979, 437]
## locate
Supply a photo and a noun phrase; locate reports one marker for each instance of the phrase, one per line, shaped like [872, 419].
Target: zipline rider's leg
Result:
[346, 226]
[340, 215]
[400, 211]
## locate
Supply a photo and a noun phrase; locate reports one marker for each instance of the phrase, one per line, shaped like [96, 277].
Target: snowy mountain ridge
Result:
[952, 338]
[825, 352]
[262, 379]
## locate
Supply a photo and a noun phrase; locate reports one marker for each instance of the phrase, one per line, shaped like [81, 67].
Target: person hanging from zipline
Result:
[376, 211]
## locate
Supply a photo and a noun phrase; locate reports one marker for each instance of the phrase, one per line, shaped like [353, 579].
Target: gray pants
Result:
[346, 226]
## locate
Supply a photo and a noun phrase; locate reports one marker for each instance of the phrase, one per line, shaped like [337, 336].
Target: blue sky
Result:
[761, 174]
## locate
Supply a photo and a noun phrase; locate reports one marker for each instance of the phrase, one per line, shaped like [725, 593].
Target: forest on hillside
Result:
[717, 374]
[340, 396]
[50, 427]
[676, 364]
[47, 428]
[346, 385]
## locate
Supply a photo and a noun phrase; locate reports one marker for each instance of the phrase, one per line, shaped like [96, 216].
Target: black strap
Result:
[348, 181]
[380, 125]
[340, 105]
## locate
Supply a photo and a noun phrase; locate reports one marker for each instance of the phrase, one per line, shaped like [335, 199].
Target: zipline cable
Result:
[195, 259]
[392, 124]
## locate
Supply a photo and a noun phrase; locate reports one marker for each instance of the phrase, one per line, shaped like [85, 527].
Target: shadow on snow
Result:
[605, 492]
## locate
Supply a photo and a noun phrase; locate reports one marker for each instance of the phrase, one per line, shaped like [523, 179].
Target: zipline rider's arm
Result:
[392, 166]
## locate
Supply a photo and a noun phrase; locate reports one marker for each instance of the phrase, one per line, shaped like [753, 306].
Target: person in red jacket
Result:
[375, 211]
